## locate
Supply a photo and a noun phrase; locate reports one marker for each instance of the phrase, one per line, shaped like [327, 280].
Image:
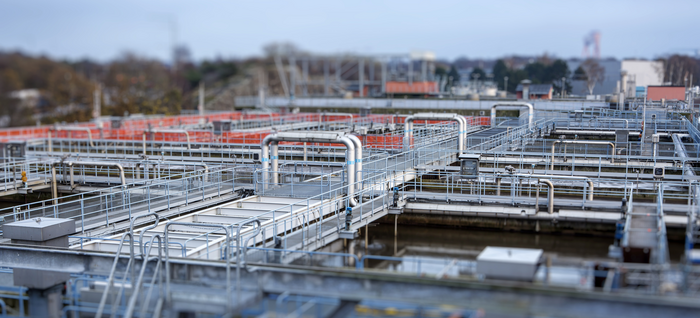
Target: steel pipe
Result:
[324, 114]
[85, 129]
[682, 153]
[530, 115]
[589, 132]
[550, 195]
[70, 164]
[358, 160]
[591, 187]
[171, 131]
[408, 126]
[274, 139]
[585, 142]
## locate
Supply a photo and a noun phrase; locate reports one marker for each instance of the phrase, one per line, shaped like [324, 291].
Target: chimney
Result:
[526, 89]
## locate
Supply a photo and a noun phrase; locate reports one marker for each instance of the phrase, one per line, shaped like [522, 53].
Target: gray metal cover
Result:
[469, 165]
[38, 229]
[508, 263]
[622, 136]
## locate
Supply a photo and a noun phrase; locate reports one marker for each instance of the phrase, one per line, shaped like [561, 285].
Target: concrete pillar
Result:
[44, 286]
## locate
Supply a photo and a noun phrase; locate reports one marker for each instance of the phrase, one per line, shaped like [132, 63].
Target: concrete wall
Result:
[646, 73]
[437, 105]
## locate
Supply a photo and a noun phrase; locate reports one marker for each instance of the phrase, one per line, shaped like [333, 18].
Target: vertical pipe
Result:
[264, 158]
[144, 143]
[275, 162]
[72, 184]
[305, 151]
[54, 186]
[550, 196]
[358, 160]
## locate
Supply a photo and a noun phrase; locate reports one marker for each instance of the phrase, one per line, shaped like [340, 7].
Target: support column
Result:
[326, 79]
[305, 76]
[361, 70]
[292, 76]
[383, 77]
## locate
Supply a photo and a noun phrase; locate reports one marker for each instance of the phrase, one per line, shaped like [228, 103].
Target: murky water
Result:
[467, 243]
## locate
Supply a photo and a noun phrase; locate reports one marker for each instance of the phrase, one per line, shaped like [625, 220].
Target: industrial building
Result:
[263, 213]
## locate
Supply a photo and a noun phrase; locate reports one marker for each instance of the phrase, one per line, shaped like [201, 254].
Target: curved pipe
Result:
[591, 187]
[627, 122]
[352, 117]
[550, 195]
[408, 125]
[358, 160]
[195, 164]
[70, 164]
[85, 129]
[131, 230]
[274, 139]
[172, 131]
[530, 115]
[588, 142]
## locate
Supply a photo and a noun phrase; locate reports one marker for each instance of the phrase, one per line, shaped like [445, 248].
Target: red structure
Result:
[656, 93]
[413, 88]
[537, 91]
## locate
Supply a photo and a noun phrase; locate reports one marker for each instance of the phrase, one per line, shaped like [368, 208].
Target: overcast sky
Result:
[103, 29]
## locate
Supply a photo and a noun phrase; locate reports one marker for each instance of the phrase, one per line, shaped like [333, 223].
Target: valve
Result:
[396, 196]
[348, 218]
[24, 176]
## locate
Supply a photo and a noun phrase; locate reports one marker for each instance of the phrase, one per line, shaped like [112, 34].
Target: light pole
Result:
[505, 84]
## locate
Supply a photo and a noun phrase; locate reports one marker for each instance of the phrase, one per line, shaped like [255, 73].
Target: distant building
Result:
[24, 94]
[639, 73]
[537, 91]
[30, 97]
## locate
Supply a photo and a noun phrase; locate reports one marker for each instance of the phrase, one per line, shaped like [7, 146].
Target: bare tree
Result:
[679, 68]
[282, 49]
[595, 73]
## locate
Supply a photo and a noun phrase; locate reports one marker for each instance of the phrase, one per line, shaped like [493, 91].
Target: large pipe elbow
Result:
[462, 132]
[530, 115]
[358, 160]
[551, 157]
[550, 195]
[351, 169]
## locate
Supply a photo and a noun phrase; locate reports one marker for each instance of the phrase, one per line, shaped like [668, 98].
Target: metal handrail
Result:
[227, 256]
[137, 286]
[110, 281]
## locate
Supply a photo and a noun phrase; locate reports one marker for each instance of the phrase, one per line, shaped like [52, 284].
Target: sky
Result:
[103, 30]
